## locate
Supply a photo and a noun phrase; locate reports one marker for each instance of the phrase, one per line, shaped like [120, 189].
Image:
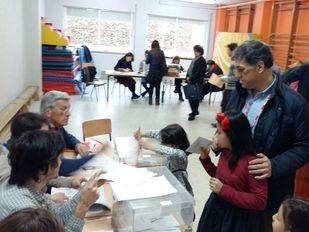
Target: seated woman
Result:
[29, 220]
[125, 65]
[212, 67]
[176, 60]
[35, 160]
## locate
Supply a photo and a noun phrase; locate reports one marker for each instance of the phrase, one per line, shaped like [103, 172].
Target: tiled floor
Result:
[129, 115]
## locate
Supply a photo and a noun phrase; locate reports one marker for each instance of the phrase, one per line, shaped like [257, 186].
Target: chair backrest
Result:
[97, 127]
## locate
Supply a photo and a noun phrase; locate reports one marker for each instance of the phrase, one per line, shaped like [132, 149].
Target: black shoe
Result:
[150, 101]
[135, 97]
[143, 94]
[175, 91]
[191, 118]
[181, 99]
[157, 102]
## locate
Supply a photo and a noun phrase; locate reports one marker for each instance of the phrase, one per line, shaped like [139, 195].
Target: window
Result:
[100, 30]
[176, 36]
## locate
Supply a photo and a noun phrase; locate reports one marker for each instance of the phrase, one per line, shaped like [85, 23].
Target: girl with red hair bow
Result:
[237, 200]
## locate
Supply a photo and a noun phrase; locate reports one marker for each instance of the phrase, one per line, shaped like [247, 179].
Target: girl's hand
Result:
[138, 134]
[204, 153]
[215, 184]
[146, 145]
[214, 145]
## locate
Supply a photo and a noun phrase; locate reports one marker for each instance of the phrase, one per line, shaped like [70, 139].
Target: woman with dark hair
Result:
[35, 160]
[30, 220]
[157, 68]
[238, 198]
[195, 76]
[173, 145]
[125, 65]
[293, 216]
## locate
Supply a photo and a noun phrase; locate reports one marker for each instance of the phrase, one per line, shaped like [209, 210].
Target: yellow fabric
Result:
[224, 38]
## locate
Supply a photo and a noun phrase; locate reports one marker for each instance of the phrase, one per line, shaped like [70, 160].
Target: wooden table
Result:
[113, 73]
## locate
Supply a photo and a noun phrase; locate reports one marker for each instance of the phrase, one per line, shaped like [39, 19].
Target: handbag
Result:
[193, 92]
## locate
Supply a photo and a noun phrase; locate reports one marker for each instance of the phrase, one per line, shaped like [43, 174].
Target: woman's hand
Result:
[146, 145]
[215, 184]
[204, 153]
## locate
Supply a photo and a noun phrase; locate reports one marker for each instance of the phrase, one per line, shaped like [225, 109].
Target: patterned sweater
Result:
[177, 160]
[14, 198]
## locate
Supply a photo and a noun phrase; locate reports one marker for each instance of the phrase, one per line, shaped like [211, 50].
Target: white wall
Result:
[19, 51]
[55, 13]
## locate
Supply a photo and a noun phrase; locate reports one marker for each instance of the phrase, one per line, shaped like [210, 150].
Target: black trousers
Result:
[194, 104]
[178, 86]
[145, 85]
[157, 86]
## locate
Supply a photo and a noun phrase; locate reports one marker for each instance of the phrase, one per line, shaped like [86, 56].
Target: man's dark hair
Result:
[199, 48]
[252, 52]
[232, 46]
[32, 153]
[29, 220]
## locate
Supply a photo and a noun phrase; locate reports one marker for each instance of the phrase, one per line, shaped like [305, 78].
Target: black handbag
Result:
[193, 92]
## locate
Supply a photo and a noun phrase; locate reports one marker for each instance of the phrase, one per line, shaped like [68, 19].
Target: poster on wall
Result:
[222, 40]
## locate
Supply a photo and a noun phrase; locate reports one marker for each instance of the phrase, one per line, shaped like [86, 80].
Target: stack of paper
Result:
[154, 187]
[128, 149]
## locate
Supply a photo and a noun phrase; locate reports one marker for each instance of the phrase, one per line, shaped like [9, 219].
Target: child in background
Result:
[173, 144]
[238, 199]
[176, 60]
[292, 216]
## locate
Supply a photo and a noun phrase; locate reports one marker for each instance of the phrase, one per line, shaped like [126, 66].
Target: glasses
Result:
[64, 109]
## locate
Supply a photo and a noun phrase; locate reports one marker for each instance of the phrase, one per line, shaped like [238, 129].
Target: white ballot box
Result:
[159, 204]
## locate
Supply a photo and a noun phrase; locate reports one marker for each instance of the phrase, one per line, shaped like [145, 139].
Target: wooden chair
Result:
[97, 127]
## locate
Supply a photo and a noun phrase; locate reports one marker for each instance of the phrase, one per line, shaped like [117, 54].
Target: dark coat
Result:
[157, 66]
[122, 63]
[301, 74]
[198, 71]
[282, 134]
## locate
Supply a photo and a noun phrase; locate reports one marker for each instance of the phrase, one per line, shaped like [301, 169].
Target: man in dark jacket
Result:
[301, 74]
[279, 119]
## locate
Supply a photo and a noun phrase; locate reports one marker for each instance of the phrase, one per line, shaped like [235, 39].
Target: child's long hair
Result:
[296, 214]
[238, 130]
[176, 136]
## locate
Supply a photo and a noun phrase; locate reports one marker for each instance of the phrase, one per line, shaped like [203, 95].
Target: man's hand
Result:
[215, 184]
[260, 167]
[81, 149]
[77, 181]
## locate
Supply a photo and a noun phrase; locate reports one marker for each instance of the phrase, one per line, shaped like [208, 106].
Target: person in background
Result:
[35, 160]
[237, 198]
[293, 216]
[212, 67]
[29, 122]
[125, 65]
[300, 74]
[30, 220]
[229, 79]
[157, 68]
[279, 122]
[144, 68]
[176, 60]
[173, 145]
[195, 76]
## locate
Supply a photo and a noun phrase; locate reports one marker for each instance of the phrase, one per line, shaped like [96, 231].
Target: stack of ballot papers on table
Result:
[99, 206]
[127, 149]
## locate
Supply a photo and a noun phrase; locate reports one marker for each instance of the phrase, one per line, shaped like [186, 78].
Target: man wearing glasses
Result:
[55, 106]
[279, 119]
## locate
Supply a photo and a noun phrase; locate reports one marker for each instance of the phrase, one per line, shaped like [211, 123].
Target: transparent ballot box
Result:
[172, 212]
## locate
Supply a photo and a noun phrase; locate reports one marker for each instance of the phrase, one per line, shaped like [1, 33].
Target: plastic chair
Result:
[97, 127]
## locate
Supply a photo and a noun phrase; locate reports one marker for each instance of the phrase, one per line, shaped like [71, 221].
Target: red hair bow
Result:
[224, 121]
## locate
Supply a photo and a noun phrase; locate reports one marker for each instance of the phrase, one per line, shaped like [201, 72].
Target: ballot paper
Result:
[198, 144]
[126, 147]
[100, 205]
[148, 223]
[145, 190]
